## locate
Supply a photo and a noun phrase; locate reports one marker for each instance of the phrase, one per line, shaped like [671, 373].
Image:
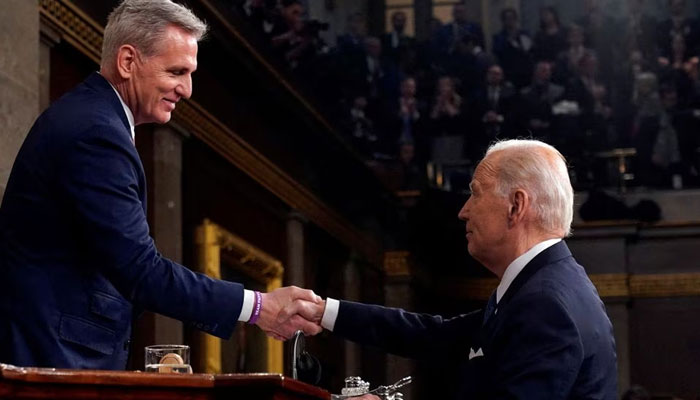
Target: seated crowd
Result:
[589, 87]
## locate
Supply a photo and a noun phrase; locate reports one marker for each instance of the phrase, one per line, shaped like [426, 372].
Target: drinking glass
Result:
[168, 358]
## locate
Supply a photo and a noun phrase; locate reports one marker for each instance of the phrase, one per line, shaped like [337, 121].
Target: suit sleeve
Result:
[99, 181]
[404, 333]
[538, 350]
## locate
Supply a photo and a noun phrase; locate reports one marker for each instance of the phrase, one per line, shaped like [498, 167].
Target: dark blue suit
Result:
[550, 337]
[76, 258]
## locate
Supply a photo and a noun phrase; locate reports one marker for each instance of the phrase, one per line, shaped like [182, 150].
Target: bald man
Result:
[544, 333]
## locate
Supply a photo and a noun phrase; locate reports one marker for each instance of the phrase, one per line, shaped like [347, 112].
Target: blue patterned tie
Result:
[490, 307]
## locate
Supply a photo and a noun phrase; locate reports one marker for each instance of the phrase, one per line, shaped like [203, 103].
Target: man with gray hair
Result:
[76, 258]
[544, 333]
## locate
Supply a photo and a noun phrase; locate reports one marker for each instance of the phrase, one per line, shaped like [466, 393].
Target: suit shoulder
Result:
[79, 114]
[84, 104]
[557, 279]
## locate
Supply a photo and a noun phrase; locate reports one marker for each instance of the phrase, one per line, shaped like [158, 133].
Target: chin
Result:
[162, 119]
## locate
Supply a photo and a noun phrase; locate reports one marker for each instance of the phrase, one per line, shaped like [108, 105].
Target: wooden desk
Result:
[49, 383]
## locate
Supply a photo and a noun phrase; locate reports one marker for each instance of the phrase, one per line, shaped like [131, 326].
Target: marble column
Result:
[161, 152]
[166, 190]
[295, 250]
[19, 78]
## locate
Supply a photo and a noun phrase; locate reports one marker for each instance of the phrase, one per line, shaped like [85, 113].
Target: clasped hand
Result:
[289, 309]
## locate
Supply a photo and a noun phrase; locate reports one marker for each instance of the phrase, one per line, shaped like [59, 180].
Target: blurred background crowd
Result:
[618, 95]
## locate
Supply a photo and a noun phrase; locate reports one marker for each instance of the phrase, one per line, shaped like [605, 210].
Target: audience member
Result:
[686, 123]
[638, 30]
[360, 128]
[288, 20]
[409, 118]
[513, 48]
[396, 44]
[599, 33]
[537, 101]
[676, 55]
[580, 87]
[678, 25]
[450, 34]
[623, 95]
[550, 39]
[290, 38]
[568, 61]
[654, 136]
[495, 104]
[447, 102]
[371, 75]
[351, 44]
[260, 14]
[467, 64]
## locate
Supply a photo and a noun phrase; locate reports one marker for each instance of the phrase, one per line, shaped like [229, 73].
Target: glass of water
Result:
[168, 358]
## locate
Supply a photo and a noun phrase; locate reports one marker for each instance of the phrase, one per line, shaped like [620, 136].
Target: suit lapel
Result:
[548, 256]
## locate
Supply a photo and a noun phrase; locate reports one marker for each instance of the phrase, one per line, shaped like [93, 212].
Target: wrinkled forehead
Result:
[487, 169]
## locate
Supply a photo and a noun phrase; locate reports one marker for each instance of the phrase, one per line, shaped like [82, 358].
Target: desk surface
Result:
[30, 383]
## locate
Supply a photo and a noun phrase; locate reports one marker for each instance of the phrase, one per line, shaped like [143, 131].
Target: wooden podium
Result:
[49, 383]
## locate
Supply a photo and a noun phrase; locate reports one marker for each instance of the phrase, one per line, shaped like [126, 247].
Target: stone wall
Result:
[19, 78]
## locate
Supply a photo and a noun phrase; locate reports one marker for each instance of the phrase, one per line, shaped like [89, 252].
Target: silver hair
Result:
[541, 171]
[142, 24]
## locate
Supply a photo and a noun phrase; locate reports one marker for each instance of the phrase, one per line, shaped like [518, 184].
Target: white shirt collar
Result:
[127, 111]
[519, 263]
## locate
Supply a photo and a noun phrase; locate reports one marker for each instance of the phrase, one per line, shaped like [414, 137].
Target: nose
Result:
[464, 212]
[184, 88]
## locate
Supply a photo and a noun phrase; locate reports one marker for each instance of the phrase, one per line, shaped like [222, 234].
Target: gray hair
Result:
[541, 171]
[142, 24]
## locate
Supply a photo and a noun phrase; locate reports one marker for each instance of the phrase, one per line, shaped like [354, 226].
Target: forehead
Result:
[485, 172]
[178, 45]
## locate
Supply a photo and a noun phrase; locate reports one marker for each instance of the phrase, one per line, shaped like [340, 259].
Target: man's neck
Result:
[121, 86]
[519, 248]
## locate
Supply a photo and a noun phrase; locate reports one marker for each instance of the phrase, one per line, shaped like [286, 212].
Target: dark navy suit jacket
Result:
[550, 337]
[76, 258]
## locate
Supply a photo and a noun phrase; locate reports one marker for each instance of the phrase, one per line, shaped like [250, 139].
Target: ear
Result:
[126, 61]
[519, 203]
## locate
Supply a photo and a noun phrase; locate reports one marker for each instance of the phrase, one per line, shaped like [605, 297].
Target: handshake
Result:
[289, 309]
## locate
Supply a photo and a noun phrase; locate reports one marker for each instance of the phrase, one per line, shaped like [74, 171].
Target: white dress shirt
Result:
[330, 315]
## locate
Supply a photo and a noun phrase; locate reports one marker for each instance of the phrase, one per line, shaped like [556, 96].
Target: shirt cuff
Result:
[330, 314]
[247, 309]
